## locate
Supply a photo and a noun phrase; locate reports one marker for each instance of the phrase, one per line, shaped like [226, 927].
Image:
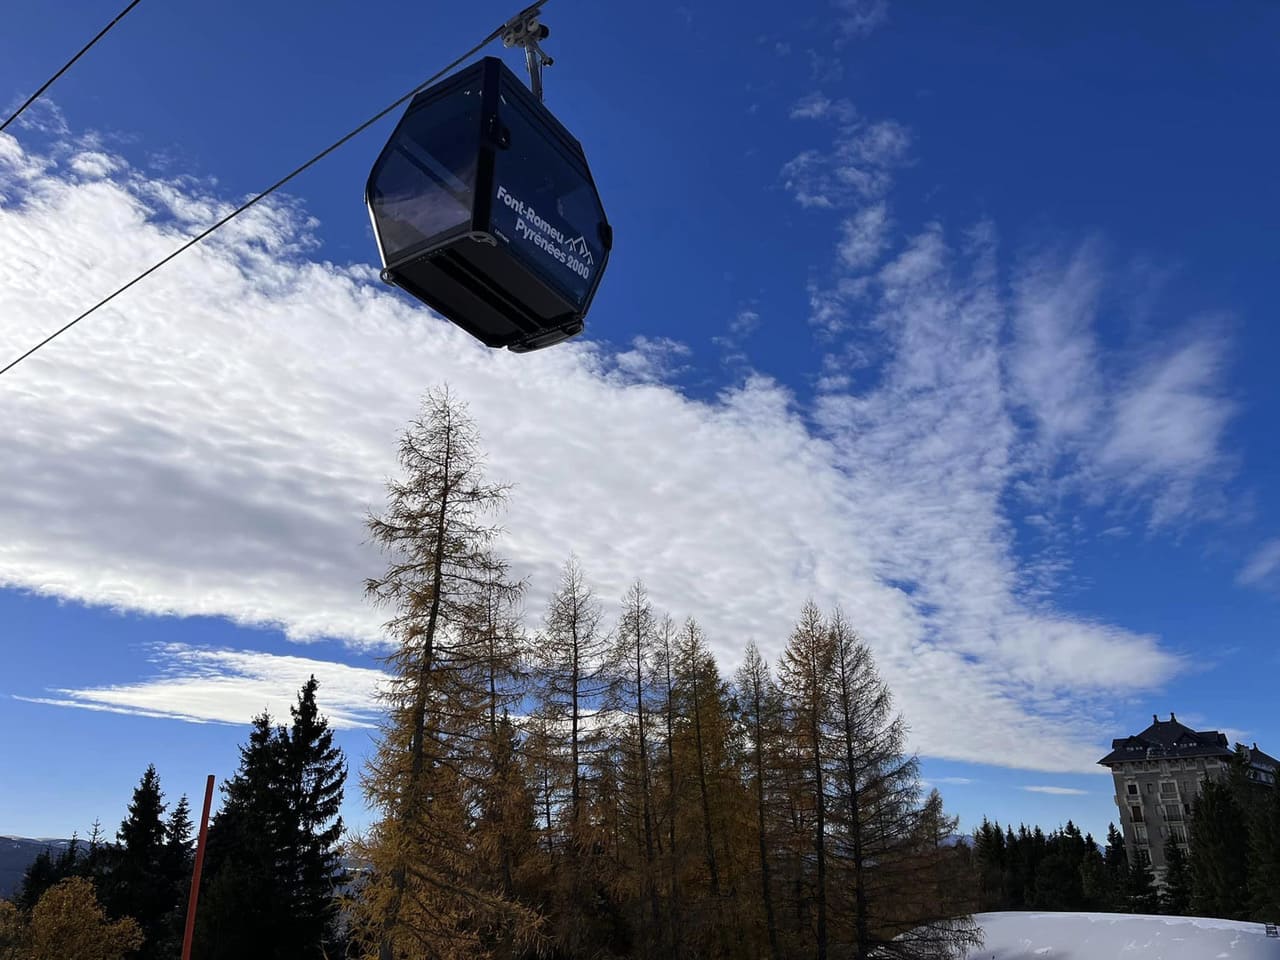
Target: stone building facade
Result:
[1157, 775]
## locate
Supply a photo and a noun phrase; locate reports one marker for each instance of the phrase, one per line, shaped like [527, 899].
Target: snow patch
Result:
[1108, 936]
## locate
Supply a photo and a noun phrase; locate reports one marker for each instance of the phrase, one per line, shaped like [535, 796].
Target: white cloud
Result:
[1150, 426]
[651, 359]
[955, 781]
[1053, 362]
[1262, 567]
[864, 236]
[811, 107]
[857, 18]
[1058, 791]
[1168, 424]
[211, 442]
[858, 167]
[201, 685]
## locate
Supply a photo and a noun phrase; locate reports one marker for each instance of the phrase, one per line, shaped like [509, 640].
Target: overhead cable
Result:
[258, 197]
[68, 65]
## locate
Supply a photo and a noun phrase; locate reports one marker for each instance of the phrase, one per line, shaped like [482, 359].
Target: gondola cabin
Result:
[484, 209]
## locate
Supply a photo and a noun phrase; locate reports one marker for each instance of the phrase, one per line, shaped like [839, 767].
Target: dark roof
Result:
[1258, 758]
[1167, 738]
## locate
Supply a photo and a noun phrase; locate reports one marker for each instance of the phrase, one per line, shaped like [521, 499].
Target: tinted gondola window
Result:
[424, 183]
[545, 208]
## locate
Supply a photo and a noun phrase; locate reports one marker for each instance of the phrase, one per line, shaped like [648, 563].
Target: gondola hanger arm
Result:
[527, 31]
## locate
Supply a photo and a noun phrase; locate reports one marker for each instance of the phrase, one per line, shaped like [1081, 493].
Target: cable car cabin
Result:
[485, 210]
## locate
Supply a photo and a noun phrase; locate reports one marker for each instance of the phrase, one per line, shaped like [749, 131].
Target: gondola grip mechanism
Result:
[525, 30]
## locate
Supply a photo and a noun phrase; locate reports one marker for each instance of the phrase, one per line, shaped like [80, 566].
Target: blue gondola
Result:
[485, 210]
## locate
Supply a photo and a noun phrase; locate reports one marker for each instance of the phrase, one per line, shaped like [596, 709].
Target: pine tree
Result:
[423, 895]
[40, 875]
[1264, 856]
[1175, 898]
[243, 904]
[1219, 853]
[1093, 878]
[273, 860]
[314, 774]
[1141, 895]
[138, 886]
[175, 867]
[1116, 859]
[989, 857]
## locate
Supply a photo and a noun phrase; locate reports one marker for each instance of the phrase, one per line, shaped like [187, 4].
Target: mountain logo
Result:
[578, 247]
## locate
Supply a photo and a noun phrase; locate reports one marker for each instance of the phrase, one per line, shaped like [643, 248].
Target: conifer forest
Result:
[575, 777]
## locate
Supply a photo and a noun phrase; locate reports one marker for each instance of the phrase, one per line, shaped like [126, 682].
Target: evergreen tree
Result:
[1094, 889]
[1175, 898]
[243, 906]
[175, 866]
[138, 886]
[1116, 860]
[314, 774]
[1219, 853]
[990, 863]
[1141, 895]
[1264, 856]
[273, 860]
[39, 876]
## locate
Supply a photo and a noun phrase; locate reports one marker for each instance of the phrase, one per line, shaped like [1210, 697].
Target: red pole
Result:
[195, 874]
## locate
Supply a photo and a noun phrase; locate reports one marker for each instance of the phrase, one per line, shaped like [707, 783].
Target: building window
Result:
[1136, 813]
[1148, 786]
[1168, 788]
[1144, 856]
[1133, 789]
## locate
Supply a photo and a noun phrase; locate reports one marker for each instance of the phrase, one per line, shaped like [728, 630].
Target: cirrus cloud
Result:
[211, 443]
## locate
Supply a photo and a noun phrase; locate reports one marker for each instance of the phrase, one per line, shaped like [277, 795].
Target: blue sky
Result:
[961, 319]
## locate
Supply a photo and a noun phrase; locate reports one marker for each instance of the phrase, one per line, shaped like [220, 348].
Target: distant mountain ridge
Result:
[16, 854]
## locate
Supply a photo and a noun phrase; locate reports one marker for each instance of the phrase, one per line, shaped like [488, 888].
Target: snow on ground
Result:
[1113, 936]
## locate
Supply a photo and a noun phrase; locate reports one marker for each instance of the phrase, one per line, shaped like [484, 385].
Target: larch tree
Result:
[69, 922]
[570, 668]
[759, 715]
[424, 896]
[711, 804]
[570, 664]
[667, 669]
[633, 662]
[805, 680]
